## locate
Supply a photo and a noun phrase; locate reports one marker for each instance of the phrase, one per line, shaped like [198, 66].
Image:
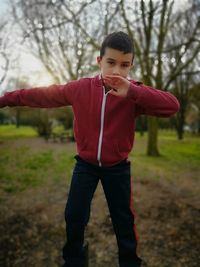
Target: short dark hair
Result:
[119, 41]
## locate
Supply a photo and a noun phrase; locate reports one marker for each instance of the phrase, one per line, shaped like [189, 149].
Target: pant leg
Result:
[116, 182]
[77, 212]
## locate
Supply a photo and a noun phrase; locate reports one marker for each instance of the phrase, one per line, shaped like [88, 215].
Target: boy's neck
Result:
[106, 87]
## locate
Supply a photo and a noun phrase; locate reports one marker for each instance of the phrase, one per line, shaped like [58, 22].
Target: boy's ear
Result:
[99, 59]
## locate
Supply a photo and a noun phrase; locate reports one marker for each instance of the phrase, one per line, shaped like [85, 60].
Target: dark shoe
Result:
[86, 256]
[144, 264]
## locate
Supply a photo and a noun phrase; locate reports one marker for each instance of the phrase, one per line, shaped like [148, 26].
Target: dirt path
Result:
[167, 216]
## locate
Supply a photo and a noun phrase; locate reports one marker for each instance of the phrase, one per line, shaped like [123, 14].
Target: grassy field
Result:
[34, 181]
[25, 163]
[177, 156]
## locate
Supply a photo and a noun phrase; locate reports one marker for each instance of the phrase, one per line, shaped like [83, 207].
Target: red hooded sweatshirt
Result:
[103, 123]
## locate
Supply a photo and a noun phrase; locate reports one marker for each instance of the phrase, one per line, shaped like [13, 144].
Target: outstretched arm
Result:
[147, 100]
[41, 97]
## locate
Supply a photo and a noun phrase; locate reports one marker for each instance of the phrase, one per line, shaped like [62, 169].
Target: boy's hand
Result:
[119, 85]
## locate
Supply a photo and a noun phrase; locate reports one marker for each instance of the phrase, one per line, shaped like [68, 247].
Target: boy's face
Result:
[115, 62]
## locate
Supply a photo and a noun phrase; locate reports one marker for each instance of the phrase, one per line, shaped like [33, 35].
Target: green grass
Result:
[24, 165]
[22, 168]
[177, 157]
[11, 131]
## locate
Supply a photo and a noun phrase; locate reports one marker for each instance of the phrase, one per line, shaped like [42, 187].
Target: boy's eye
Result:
[125, 65]
[110, 62]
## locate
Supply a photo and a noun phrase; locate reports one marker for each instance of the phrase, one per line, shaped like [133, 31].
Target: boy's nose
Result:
[116, 71]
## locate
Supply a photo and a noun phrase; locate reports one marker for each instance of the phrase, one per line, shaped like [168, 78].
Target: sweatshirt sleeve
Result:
[153, 102]
[41, 97]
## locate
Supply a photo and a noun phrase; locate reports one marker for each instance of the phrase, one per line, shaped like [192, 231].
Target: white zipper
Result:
[101, 129]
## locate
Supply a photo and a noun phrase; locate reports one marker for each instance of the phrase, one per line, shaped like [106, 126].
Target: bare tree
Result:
[194, 96]
[155, 29]
[8, 50]
[4, 58]
[50, 32]
[181, 90]
[185, 57]
[65, 34]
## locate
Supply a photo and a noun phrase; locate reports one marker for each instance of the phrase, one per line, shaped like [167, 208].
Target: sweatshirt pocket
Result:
[124, 146]
[110, 153]
[87, 147]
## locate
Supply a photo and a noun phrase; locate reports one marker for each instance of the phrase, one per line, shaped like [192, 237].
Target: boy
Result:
[105, 108]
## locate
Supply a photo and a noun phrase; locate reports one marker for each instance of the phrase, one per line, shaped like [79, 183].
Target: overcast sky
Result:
[3, 6]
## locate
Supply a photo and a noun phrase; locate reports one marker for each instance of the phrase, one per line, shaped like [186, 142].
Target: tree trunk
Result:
[152, 145]
[180, 134]
[181, 122]
[18, 113]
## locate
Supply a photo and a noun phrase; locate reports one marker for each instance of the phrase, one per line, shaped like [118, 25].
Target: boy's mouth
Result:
[108, 88]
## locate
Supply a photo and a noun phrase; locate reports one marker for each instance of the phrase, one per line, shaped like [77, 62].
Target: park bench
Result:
[58, 137]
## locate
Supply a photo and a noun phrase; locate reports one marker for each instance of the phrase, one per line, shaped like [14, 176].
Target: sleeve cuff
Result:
[2, 102]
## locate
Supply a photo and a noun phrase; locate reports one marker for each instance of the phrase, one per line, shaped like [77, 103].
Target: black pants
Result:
[116, 183]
